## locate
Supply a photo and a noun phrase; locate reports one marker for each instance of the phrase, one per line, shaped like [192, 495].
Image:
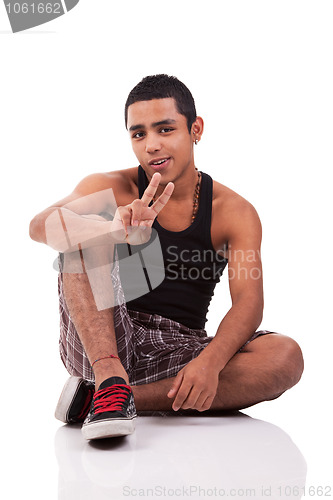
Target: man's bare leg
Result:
[95, 328]
[266, 368]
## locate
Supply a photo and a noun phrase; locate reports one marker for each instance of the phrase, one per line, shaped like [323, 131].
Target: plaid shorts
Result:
[150, 347]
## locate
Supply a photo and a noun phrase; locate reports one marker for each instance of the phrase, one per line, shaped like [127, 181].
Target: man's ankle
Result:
[116, 371]
[109, 367]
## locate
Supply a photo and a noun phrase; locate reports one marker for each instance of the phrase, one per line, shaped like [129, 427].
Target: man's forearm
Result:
[241, 321]
[63, 230]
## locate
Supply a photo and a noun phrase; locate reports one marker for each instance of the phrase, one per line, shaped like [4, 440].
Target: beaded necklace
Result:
[195, 196]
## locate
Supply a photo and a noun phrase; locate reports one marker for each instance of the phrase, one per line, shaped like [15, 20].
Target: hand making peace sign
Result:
[138, 214]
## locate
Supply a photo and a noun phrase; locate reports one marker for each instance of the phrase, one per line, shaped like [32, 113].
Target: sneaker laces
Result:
[111, 398]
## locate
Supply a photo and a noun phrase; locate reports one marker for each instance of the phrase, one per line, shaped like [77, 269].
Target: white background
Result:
[261, 74]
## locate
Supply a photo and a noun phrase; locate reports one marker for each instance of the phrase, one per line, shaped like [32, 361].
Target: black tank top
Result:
[192, 266]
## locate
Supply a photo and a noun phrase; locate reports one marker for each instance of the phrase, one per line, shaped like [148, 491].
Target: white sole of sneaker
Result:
[66, 397]
[107, 429]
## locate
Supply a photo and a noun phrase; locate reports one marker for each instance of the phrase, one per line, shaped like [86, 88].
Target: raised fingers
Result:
[164, 198]
[151, 189]
[136, 212]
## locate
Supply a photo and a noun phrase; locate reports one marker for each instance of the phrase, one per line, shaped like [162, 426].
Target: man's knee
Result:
[283, 357]
[291, 360]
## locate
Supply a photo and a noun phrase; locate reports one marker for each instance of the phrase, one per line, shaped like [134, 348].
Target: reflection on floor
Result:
[190, 456]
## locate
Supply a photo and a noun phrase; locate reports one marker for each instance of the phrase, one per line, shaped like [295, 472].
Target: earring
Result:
[196, 142]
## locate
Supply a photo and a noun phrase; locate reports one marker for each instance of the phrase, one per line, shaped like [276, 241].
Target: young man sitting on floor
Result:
[152, 352]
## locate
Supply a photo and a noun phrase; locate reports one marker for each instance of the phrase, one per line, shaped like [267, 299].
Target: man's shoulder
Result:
[232, 213]
[228, 201]
[123, 182]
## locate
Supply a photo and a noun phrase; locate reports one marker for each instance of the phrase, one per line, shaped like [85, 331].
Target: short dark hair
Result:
[160, 87]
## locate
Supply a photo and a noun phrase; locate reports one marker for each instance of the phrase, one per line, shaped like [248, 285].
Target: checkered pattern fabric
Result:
[150, 347]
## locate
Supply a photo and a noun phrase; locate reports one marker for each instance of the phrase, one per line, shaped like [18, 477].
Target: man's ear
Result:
[197, 129]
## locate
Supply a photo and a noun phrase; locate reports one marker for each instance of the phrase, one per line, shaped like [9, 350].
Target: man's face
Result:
[160, 138]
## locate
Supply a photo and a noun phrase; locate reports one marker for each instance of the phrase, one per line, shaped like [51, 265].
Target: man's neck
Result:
[184, 186]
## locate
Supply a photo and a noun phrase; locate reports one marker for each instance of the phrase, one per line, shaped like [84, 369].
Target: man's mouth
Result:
[158, 162]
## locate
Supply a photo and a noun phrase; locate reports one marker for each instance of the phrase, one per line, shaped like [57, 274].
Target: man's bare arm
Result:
[66, 230]
[246, 288]
[92, 196]
[196, 384]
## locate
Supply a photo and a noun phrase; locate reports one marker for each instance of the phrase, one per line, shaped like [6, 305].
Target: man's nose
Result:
[153, 143]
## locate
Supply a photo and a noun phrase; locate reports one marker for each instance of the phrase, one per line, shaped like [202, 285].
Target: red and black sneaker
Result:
[75, 400]
[112, 411]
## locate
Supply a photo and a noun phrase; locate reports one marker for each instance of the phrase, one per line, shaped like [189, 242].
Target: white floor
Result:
[176, 456]
[277, 450]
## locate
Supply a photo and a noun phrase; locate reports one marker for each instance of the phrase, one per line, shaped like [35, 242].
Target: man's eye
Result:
[138, 135]
[166, 129]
